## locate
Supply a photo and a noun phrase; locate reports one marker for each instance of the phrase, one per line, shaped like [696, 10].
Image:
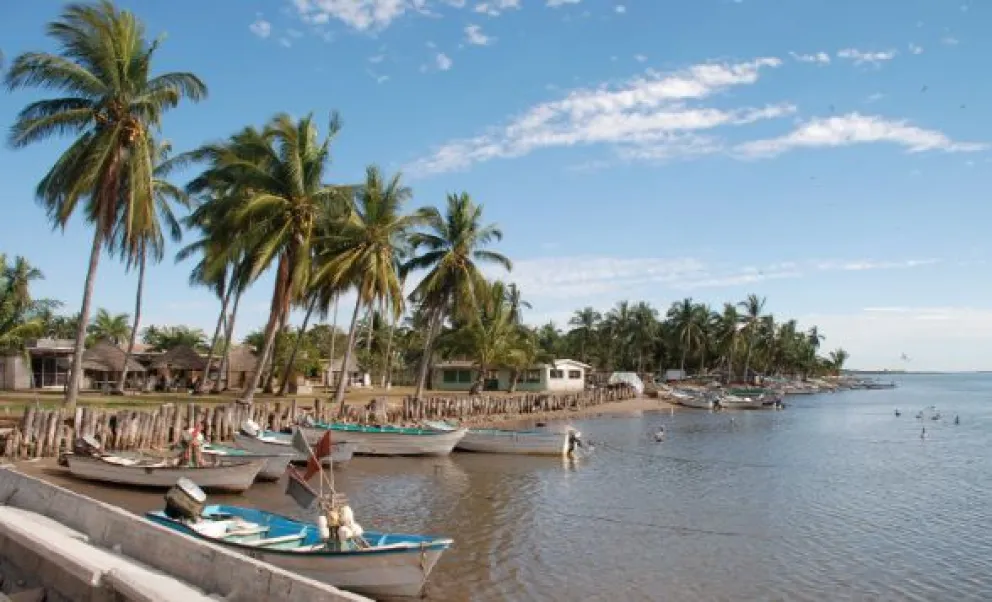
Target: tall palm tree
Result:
[112, 102]
[516, 301]
[449, 250]
[754, 308]
[837, 359]
[361, 252]
[725, 333]
[20, 314]
[490, 334]
[274, 186]
[109, 327]
[149, 238]
[684, 318]
[584, 323]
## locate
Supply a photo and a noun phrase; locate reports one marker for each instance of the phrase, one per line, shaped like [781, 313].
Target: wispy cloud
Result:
[855, 128]
[474, 36]
[821, 58]
[495, 8]
[646, 110]
[950, 41]
[557, 3]
[443, 62]
[261, 28]
[914, 49]
[863, 58]
[620, 9]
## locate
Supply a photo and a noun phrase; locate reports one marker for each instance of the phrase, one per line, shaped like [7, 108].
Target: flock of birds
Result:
[922, 415]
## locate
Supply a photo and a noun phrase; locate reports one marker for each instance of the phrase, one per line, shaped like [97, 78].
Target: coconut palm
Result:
[685, 321]
[149, 238]
[450, 250]
[490, 334]
[837, 359]
[584, 323]
[274, 192]
[21, 316]
[361, 251]
[109, 327]
[753, 307]
[111, 103]
[516, 301]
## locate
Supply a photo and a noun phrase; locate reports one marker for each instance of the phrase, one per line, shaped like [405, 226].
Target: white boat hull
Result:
[233, 477]
[399, 574]
[699, 402]
[510, 442]
[740, 403]
[341, 453]
[275, 463]
[392, 444]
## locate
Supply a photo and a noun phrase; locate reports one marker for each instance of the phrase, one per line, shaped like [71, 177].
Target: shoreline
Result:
[624, 408]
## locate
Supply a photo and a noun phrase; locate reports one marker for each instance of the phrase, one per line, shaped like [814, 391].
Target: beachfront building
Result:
[356, 377]
[44, 364]
[103, 364]
[558, 375]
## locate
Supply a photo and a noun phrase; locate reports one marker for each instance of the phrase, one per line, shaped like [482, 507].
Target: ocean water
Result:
[832, 499]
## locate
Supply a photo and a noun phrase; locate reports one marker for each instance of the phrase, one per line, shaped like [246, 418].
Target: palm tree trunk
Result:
[276, 312]
[387, 372]
[76, 374]
[213, 342]
[334, 336]
[425, 361]
[747, 361]
[228, 333]
[284, 386]
[349, 347]
[136, 321]
[685, 350]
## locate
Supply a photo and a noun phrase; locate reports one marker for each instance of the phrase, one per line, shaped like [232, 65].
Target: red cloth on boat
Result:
[321, 450]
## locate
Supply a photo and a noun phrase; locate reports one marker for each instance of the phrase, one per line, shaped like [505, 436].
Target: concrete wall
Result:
[201, 564]
[15, 373]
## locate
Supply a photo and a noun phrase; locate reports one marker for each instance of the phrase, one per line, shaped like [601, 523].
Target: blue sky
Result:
[831, 155]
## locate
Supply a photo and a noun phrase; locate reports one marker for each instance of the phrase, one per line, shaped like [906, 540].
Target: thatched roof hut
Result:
[241, 359]
[107, 357]
[181, 357]
[335, 364]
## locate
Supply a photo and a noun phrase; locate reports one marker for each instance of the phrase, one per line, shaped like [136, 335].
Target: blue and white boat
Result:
[390, 565]
[388, 440]
[537, 442]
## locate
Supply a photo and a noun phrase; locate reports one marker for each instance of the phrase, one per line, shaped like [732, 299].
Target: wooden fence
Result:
[46, 433]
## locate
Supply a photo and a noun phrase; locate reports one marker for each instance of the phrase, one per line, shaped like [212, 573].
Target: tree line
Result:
[261, 201]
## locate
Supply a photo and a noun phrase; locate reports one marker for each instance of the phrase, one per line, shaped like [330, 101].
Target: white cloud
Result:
[640, 58]
[285, 42]
[950, 41]
[855, 128]
[474, 36]
[495, 8]
[557, 3]
[644, 110]
[914, 49]
[620, 9]
[362, 15]
[862, 58]
[377, 58]
[821, 58]
[442, 61]
[877, 96]
[261, 28]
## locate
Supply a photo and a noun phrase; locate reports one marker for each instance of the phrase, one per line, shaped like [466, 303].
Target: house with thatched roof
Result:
[177, 368]
[240, 364]
[103, 364]
[356, 377]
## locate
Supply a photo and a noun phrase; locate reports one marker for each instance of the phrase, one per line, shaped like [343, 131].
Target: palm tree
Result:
[274, 190]
[753, 307]
[684, 318]
[837, 359]
[109, 327]
[361, 251]
[725, 333]
[150, 238]
[112, 102]
[584, 323]
[516, 302]
[490, 334]
[20, 315]
[451, 248]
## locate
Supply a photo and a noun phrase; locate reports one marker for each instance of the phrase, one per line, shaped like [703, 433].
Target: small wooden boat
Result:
[234, 476]
[536, 442]
[388, 440]
[391, 565]
[268, 442]
[275, 462]
[693, 399]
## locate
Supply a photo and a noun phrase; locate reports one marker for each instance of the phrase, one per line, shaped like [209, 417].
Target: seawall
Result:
[217, 572]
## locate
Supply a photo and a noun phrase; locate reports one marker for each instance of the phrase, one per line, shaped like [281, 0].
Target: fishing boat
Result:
[537, 442]
[232, 476]
[692, 399]
[275, 463]
[269, 442]
[334, 549]
[388, 440]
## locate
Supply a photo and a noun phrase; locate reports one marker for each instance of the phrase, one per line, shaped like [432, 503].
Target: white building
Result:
[559, 375]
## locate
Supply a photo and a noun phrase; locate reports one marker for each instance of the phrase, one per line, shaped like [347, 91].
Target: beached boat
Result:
[729, 401]
[275, 462]
[388, 440]
[530, 443]
[268, 442]
[391, 565]
[234, 476]
[692, 399]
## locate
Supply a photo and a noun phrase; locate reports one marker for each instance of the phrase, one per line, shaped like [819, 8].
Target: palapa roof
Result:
[241, 359]
[181, 357]
[107, 357]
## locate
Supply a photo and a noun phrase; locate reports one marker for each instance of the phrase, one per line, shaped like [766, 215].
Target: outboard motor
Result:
[574, 440]
[185, 500]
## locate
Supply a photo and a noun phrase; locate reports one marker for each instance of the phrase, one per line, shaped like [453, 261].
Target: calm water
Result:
[834, 498]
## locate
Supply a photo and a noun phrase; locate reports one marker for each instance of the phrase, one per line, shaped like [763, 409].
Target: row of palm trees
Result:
[260, 202]
[739, 339]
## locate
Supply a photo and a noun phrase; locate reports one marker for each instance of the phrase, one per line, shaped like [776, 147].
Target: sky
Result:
[832, 156]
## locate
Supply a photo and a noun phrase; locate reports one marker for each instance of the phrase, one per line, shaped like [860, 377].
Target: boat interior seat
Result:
[246, 530]
[271, 541]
